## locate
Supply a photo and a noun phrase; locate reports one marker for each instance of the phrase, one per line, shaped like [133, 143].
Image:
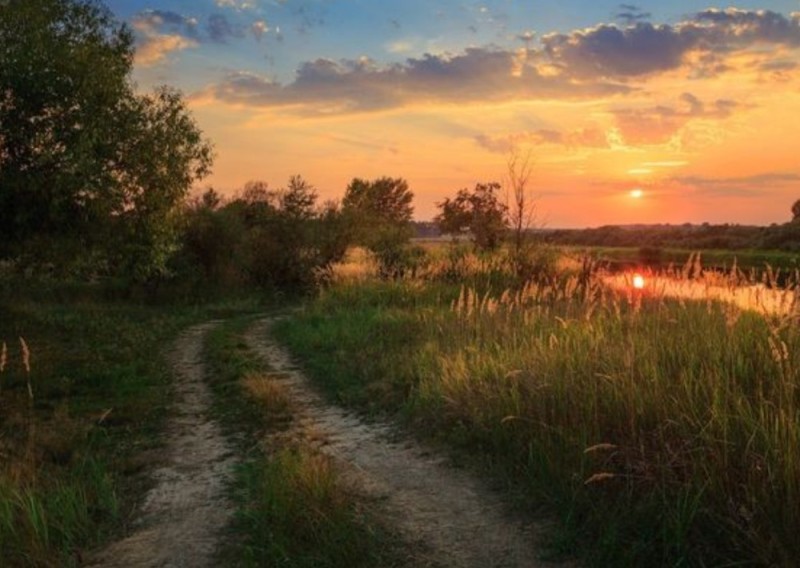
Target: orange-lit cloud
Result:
[154, 46]
[656, 125]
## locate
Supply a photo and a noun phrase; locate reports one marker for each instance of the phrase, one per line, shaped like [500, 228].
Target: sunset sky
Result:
[696, 105]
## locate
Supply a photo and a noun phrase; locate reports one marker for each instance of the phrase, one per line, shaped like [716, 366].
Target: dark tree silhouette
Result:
[796, 211]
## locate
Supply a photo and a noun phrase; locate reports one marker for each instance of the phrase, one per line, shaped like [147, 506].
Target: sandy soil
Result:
[448, 512]
[184, 514]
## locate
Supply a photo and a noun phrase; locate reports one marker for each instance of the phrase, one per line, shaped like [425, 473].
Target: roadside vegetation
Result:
[661, 432]
[83, 392]
[294, 509]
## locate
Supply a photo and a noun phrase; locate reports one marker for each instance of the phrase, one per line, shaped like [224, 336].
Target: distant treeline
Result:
[687, 236]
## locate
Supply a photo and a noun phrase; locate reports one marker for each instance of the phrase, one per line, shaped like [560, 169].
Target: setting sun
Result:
[636, 193]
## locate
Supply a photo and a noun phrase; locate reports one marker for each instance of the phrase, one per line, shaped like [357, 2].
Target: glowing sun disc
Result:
[637, 193]
[638, 281]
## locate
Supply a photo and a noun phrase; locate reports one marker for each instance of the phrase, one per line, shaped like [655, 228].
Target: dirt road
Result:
[184, 514]
[445, 510]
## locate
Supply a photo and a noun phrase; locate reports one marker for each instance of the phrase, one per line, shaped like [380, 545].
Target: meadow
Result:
[659, 427]
[84, 391]
[660, 431]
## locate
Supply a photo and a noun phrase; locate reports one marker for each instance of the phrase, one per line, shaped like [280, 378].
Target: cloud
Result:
[580, 138]
[748, 186]
[154, 26]
[656, 125]
[400, 46]
[155, 22]
[258, 29]
[220, 29]
[237, 4]
[153, 45]
[630, 14]
[477, 74]
[607, 51]
[591, 63]
[154, 50]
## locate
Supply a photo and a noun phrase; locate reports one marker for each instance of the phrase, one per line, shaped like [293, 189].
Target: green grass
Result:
[72, 459]
[660, 433]
[293, 509]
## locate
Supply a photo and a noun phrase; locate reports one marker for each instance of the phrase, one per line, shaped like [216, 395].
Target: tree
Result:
[273, 239]
[796, 211]
[529, 259]
[157, 162]
[297, 201]
[479, 212]
[84, 161]
[379, 204]
[379, 214]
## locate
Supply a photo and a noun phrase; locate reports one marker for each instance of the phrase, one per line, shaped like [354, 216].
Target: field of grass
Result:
[661, 432]
[80, 415]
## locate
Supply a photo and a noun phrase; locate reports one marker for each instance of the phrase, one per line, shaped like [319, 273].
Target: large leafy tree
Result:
[379, 215]
[379, 205]
[479, 213]
[85, 162]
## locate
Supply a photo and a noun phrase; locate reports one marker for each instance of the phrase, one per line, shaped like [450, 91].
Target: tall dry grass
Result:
[664, 430]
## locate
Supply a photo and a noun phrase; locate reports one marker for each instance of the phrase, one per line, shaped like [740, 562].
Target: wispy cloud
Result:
[161, 33]
[630, 14]
[220, 29]
[579, 138]
[748, 186]
[656, 125]
[237, 4]
[594, 62]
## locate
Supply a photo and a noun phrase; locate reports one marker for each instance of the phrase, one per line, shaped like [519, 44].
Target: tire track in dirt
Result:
[447, 511]
[184, 514]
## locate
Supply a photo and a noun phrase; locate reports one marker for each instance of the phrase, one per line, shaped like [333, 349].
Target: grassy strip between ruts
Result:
[81, 405]
[661, 433]
[292, 508]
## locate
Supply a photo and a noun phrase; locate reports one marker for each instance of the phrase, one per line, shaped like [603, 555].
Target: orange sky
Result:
[701, 113]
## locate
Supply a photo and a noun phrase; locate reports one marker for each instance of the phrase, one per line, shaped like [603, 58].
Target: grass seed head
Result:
[26, 355]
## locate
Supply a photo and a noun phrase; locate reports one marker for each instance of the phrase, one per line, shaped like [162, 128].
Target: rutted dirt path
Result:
[184, 514]
[446, 510]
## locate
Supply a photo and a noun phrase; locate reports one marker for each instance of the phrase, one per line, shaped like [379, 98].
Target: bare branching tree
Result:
[522, 211]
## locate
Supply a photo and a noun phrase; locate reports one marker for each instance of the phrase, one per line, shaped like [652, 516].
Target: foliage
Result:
[784, 237]
[271, 239]
[479, 212]
[67, 456]
[638, 418]
[650, 256]
[379, 215]
[85, 163]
